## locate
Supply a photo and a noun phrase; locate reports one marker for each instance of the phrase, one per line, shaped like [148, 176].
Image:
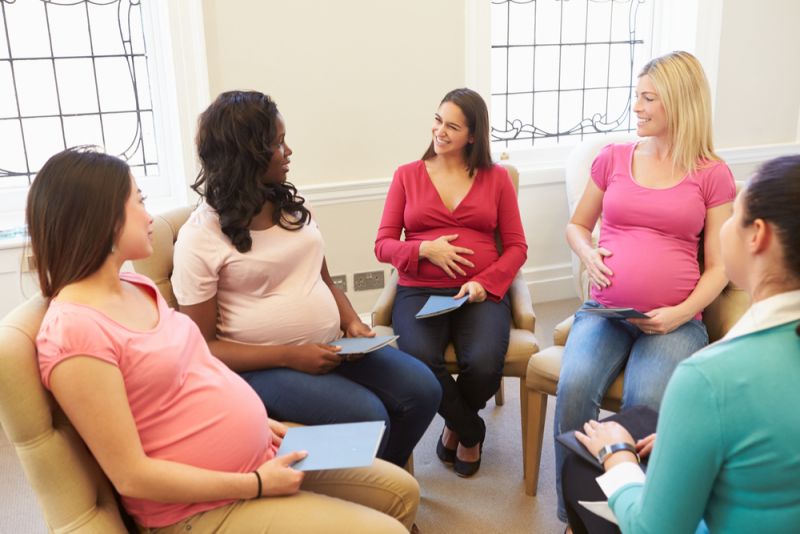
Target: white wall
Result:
[358, 81]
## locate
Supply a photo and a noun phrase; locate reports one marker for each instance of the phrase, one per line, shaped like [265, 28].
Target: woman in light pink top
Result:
[185, 441]
[656, 196]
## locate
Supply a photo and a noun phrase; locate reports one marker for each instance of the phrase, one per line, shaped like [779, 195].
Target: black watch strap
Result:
[608, 450]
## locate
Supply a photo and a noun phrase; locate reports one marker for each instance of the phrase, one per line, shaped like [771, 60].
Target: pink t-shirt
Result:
[271, 295]
[414, 207]
[187, 405]
[653, 233]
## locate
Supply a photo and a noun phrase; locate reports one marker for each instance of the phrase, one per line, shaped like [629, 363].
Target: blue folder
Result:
[337, 446]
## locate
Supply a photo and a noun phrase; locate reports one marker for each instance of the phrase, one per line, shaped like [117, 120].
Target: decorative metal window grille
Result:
[73, 72]
[564, 69]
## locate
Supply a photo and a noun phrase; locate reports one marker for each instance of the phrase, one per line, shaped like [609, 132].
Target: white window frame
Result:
[691, 25]
[177, 60]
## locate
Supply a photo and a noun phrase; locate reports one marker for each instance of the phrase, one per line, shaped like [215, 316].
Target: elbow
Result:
[130, 483]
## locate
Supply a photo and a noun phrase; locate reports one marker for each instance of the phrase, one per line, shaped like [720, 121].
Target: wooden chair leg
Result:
[500, 397]
[523, 412]
[534, 434]
[410, 465]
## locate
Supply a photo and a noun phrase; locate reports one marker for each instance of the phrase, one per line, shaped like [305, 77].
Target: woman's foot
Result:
[468, 459]
[446, 446]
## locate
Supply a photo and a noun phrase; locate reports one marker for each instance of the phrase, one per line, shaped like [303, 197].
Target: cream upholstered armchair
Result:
[73, 493]
[544, 367]
[522, 343]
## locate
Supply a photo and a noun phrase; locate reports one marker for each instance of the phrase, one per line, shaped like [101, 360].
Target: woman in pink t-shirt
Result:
[656, 196]
[184, 440]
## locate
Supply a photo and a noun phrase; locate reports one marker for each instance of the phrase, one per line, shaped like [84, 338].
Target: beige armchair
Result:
[73, 493]
[544, 367]
[522, 343]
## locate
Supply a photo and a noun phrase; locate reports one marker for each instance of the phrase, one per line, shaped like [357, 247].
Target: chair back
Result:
[74, 494]
[158, 267]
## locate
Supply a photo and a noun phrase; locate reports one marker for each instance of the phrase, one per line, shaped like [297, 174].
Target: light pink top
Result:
[270, 295]
[187, 405]
[653, 233]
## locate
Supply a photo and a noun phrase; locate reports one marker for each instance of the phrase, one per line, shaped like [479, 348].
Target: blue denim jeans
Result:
[597, 350]
[479, 333]
[385, 385]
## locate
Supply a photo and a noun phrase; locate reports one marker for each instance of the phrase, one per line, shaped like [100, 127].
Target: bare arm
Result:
[314, 358]
[579, 235]
[351, 324]
[92, 394]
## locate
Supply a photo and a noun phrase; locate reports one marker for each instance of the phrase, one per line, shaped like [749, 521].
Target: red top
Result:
[413, 205]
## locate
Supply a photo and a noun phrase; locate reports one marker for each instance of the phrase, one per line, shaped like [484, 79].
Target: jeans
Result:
[597, 350]
[384, 385]
[479, 333]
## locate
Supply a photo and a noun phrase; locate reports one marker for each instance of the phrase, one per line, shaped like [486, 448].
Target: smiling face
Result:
[450, 131]
[649, 109]
[279, 162]
[135, 239]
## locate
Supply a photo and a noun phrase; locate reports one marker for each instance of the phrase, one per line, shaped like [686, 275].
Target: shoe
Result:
[446, 455]
[466, 469]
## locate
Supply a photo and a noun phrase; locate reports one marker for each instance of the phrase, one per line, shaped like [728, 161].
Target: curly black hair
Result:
[233, 140]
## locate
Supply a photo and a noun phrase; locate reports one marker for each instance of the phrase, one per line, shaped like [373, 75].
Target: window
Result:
[565, 69]
[76, 72]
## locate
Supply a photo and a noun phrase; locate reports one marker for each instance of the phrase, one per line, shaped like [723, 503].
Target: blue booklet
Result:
[338, 446]
[361, 345]
[617, 313]
[439, 305]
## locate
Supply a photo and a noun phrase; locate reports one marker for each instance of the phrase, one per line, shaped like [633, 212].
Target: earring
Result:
[113, 248]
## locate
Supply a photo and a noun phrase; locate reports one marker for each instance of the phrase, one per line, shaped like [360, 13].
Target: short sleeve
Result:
[717, 185]
[198, 259]
[601, 167]
[65, 333]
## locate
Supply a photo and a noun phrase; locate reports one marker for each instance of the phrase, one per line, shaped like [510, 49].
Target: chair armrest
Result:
[522, 314]
[382, 310]
[561, 331]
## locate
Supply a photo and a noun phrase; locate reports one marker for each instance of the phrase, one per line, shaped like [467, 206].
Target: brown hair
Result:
[477, 154]
[76, 208]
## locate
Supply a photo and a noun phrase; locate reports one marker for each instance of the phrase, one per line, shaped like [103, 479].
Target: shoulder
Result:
[714, 170]
[414, 168]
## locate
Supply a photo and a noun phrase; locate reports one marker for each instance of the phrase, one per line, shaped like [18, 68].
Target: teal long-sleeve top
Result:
[728, 445]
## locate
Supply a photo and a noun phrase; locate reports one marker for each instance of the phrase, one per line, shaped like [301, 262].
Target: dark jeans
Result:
[479, 333]
[385, 385]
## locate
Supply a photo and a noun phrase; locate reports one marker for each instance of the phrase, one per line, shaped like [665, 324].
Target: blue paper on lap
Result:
[337, 446]
[439, 305]
[362, 345]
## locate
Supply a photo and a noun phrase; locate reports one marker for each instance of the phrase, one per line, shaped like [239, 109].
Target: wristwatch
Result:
[608, 450]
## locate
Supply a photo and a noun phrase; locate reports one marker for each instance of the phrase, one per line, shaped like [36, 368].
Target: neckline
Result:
[138, 283]
[439, 196]
[636, 182]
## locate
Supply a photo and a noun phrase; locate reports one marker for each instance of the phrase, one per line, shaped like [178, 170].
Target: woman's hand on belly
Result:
[444, 255]
[314, 358]
[663, 320]
[599, 273]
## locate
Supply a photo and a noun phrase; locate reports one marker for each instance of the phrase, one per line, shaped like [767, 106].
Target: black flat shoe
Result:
[446, 455]
[466, 469]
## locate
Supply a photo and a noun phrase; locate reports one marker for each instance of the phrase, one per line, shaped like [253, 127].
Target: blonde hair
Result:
[682, 86]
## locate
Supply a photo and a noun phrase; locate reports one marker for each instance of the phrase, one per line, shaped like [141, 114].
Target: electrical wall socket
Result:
[368, 280]
[340, 281]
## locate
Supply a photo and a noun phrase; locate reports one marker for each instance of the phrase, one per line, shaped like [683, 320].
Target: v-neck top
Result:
[414, 208]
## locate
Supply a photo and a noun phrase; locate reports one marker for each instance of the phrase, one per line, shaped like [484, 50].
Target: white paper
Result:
[600, 508]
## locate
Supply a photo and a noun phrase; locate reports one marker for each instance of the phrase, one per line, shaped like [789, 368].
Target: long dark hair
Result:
[773, 195]
[477, 154]
[75, 210]
[234, 136]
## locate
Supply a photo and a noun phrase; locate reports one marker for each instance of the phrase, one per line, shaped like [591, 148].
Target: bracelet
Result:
[258, 477]
[608, 450]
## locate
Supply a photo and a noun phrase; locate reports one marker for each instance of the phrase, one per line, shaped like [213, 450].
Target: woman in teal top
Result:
[727, 456]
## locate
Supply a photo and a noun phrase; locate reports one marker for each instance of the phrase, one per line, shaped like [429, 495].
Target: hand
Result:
[278, 431]
[662, 320]
[444, 255]
[597, 270]
[358, 329]
[314, 358]
[645, 445]
[278, 477]
[475, 291]
[598, 435]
